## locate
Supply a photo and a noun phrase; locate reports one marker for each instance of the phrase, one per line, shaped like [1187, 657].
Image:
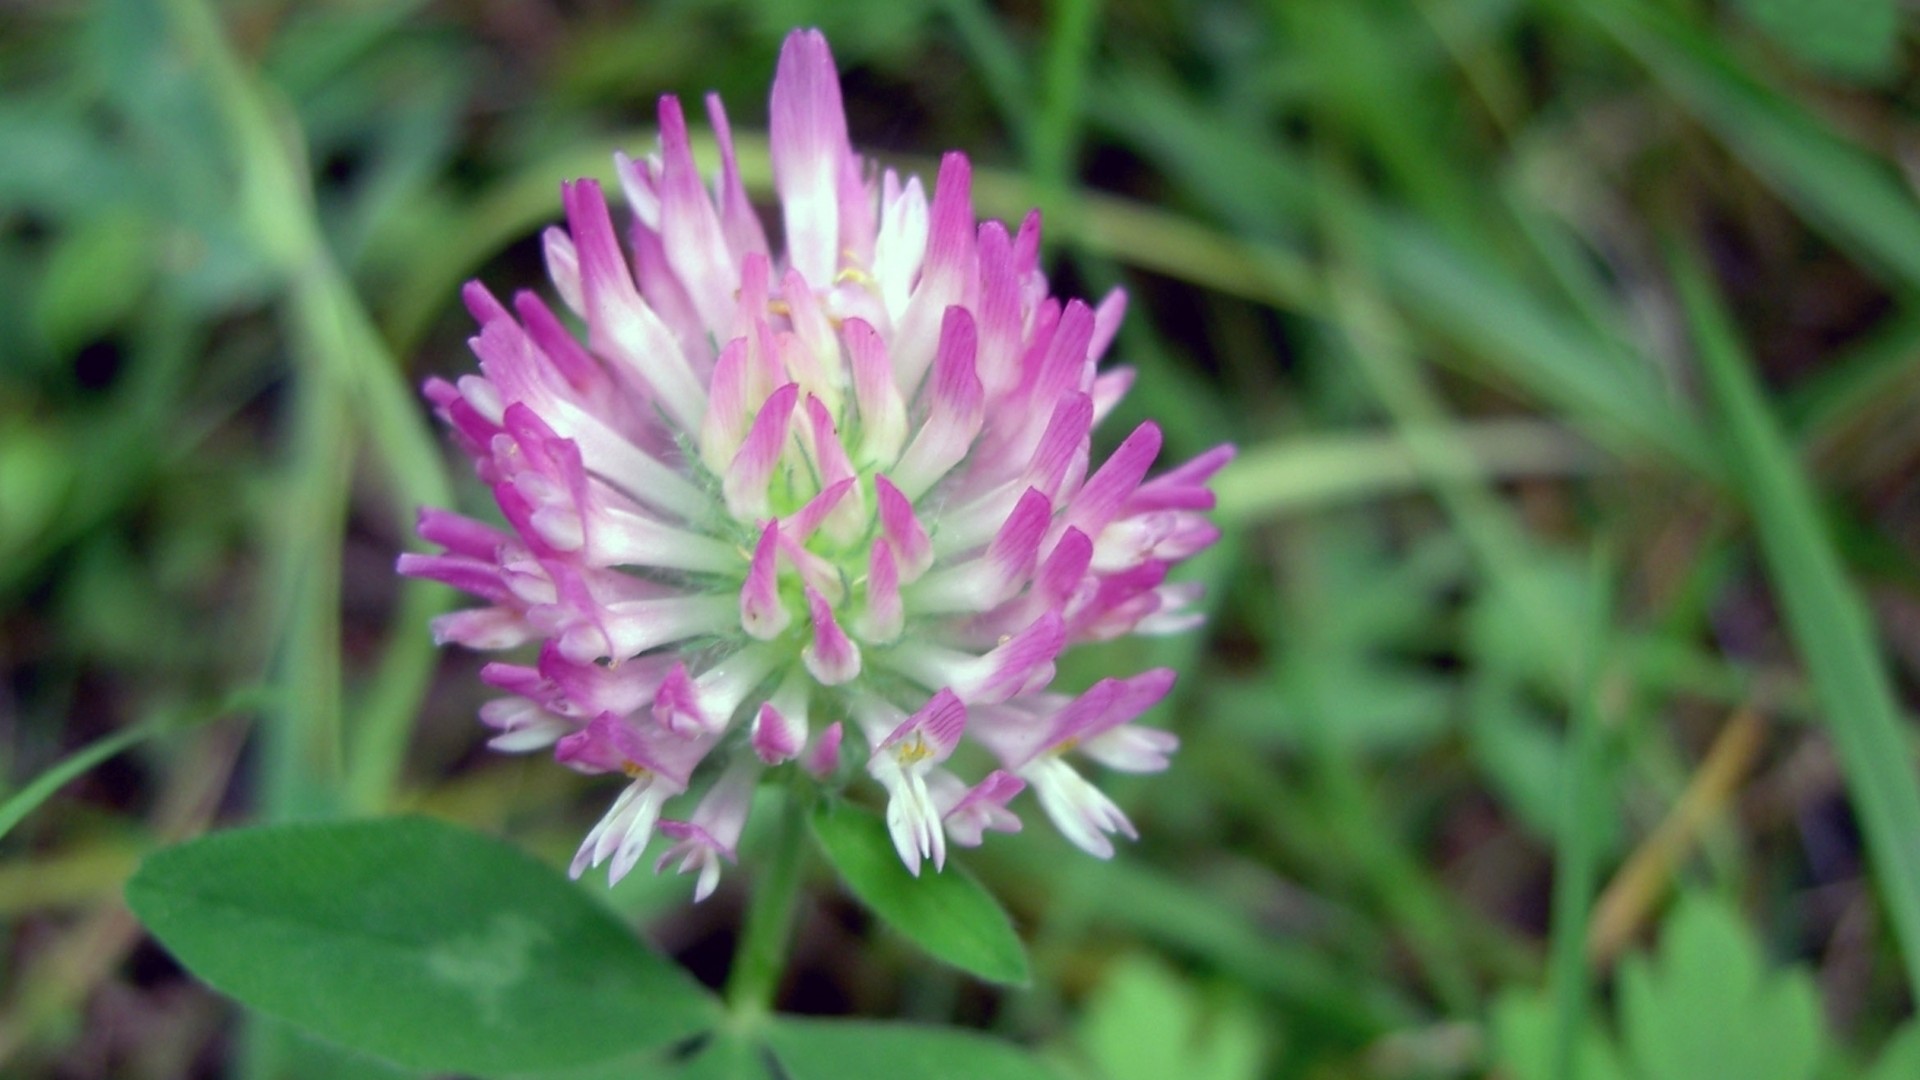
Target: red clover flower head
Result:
[788, 511]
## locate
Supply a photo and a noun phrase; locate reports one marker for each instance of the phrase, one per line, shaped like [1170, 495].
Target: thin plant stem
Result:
[1636, 888]
[762, 955]
[1577, 853]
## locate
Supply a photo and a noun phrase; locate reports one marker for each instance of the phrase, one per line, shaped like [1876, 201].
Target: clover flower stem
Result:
[761, 957]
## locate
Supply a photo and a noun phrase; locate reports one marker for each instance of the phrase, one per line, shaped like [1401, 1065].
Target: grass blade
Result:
[1505, 327]
[1841, 188]
[1825, 615]
[41, 788]
[1576, 855]
[1294, 475]
[15, 807]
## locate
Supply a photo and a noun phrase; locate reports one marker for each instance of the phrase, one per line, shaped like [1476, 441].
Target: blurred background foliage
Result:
[1554, 719]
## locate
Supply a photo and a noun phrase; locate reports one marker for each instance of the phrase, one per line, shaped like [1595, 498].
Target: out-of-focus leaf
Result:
[379, 103]
[1130, 897]
[1254, 183]
[1144, 1022]
[857, 28]
[1900, 1058]
[1706, 1006]
[1368, 696]
[1524, 758]
[170, 118]
[1522, 1028]
[316, 48]
[1376, 707]
[1855, 39]
[1503, 322]
[1500, 628]
[56, 162]
[36, 470]
[1857, 199]
[1364, 61]
[95, 275]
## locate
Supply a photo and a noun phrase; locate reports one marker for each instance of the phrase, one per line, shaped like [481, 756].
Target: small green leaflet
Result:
[1707, 1006]
[947, 913]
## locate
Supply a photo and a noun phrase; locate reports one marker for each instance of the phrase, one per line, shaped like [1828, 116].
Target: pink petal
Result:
[563, 268]
[1108, 489]
[1184, 487]
[830, 459]
[620, 325]
[1107, 705]
[955, 410]
[483, 628]
[884, 613]
[809, 143]
[981, 807]
[883, 415]
[729, 408]
[1108, 388]
[823, 758]
[944, 274]
[999, 572]
[745, 484]
[676, 706]
[902, 530]
[762, 615]
[940, 723]
[1021, 665]
[1060, 460]
[816, 366]
[802, 523]
[1066, 364]
[562, 349]
[831, 656]
[776, 738]
[999, 310]
[737, 217]
[666, 293]
[1015, 548]
[458, 533]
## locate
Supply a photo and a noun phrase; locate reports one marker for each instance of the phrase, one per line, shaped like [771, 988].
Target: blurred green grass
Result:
[1414, 257]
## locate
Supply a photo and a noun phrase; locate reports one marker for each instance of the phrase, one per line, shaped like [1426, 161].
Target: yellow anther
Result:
[854, 274]
[914, 749]
[634, 770]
